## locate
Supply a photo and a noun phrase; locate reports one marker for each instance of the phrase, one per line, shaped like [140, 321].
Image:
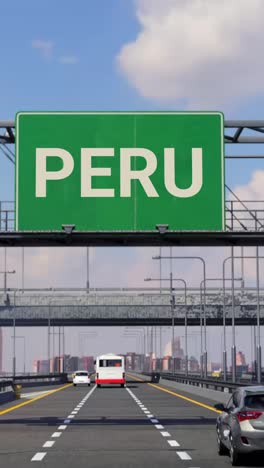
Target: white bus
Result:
[110, 369]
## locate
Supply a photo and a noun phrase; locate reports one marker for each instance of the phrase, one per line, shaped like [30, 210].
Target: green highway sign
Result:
[112, 171]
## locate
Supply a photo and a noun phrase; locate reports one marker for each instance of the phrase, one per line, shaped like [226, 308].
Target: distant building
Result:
[56, 364]
[242, 366]
[178, 351]
[35, 366]
[43, 366]
[87, 363]
[214, 366]
[130, 359]
[166, 363]
[240, 359]
[72, 364]
[194, 364]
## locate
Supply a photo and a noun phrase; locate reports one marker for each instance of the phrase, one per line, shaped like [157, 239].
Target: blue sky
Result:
[92, 32]
[40, 37]
[59, 55]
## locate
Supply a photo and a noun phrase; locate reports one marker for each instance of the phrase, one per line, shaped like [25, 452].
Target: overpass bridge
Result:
[128, 307]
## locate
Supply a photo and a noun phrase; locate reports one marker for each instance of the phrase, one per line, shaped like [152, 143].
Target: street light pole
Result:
[258, 320]
[139, 330]
[49, 335]
[172, 301]
[203, 355]
[87, 269]
[5, 273]
[14, 335]
[24, 350]
[172, 323]
[232, 257]
[220, 279]
[233, 355]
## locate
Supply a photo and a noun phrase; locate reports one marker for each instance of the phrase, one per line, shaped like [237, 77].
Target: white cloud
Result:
[199, 53]
[69, 60]
[45, 47]
[254, 189]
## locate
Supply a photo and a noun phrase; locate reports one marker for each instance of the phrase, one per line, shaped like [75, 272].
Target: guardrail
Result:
[34, 379]
[5, 384]
[58, 376]
[214, 383]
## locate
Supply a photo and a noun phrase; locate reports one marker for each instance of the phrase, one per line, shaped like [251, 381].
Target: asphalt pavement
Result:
[111, 427]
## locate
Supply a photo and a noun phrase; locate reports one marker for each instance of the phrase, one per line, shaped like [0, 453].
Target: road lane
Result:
[191, 422]
[112, 431]
[112, 427]
[24, 429]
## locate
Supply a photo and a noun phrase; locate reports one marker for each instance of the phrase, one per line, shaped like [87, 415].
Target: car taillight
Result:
[246, 415]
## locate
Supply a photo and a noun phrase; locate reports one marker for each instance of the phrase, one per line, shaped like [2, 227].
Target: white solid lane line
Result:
[184, 456]
[38, 456]
[56, 434]
[49, 443]
[173, 443]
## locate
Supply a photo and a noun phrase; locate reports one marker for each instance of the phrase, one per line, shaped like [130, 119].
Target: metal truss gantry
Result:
[244, 224]
[236, 131]
[117, 308]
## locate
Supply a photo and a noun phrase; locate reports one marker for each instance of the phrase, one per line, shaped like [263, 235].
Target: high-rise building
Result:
[1, 350]
[87, 363]
[72, 364]
[240, 359]
[193, 364]
[178, 351]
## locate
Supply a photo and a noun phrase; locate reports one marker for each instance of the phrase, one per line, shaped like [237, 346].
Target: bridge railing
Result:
[214, 383]
[240, 215]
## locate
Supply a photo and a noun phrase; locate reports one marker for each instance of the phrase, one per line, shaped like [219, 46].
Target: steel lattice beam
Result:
[234, 131]
[131, 239]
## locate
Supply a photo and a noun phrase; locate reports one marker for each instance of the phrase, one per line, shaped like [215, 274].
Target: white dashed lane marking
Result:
[173, 443]
[184, 456]
[38, 456]
[56, 434]
[49, 443]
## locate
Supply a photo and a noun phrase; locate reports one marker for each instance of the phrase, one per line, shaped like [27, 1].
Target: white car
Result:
[81, 377]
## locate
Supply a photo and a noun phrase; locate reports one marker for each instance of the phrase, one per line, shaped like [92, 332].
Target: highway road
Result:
[142, 424]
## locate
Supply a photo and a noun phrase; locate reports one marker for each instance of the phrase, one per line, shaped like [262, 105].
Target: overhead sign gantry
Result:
[141, 231]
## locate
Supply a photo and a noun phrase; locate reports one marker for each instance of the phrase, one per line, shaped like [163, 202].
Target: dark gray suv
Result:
[240, 426]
